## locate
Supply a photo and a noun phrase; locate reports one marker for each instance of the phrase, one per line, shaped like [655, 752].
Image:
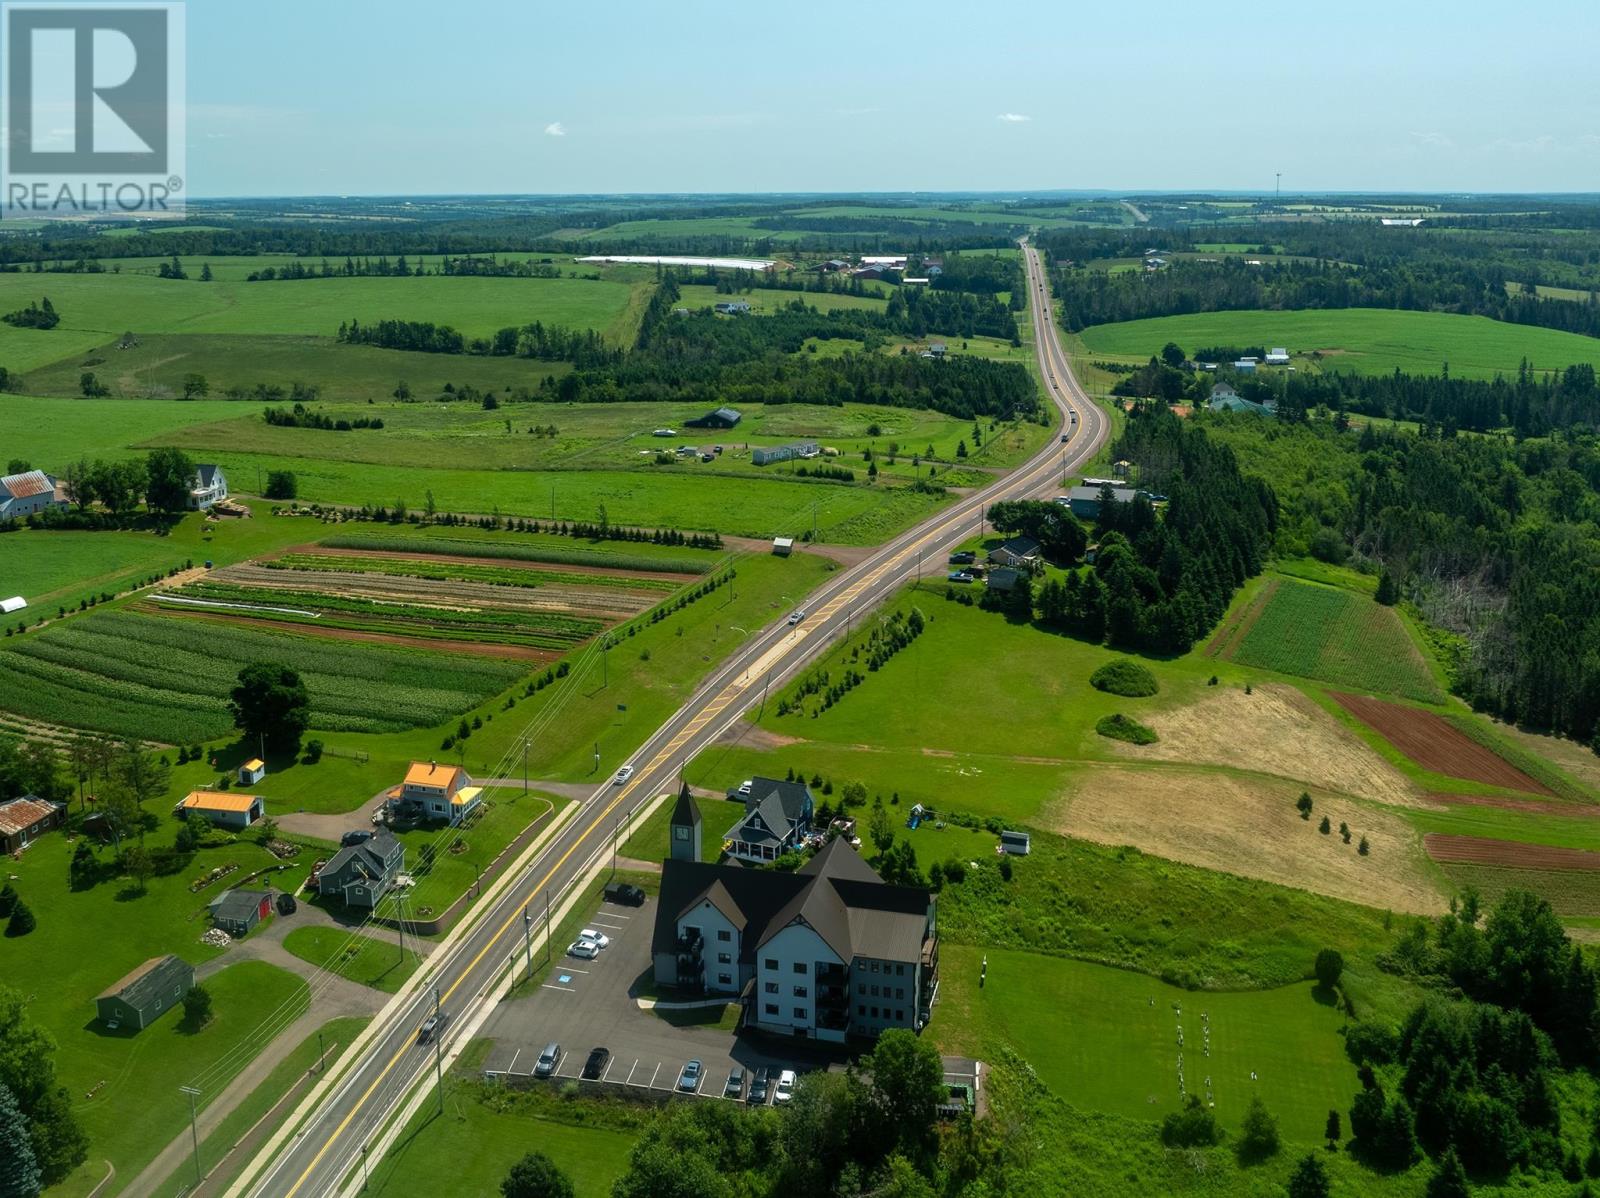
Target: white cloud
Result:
[1013, 118]
[554, 129]
[1436, 141]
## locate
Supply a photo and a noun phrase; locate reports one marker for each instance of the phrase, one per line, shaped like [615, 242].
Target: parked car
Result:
[785, 1087]
[600, 939]
[689, 1079]
[745, 787]
[797, 617]
[735, 1085]
[623, 775]
[432, 1026]
[960, 576]
[357, 836]
[548, 1060]
[625, 893]
[964, 558]
[587, 949]
[759, 1085]
[595, 1067]
[287, 905]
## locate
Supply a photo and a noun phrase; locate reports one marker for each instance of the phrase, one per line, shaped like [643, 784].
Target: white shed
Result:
[15, 603]
[782, 546]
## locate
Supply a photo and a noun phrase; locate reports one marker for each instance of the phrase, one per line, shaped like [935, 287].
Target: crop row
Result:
[1336, 636]
[440, 546]
[446, 570]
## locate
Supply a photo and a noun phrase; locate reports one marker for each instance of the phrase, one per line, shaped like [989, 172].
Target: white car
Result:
[797, 617]
[623, 775]
[785, 1088]
[745, 787]
[597, 938]
[587, 949]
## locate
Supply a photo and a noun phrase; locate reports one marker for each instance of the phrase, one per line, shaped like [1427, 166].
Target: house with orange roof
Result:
[225, 808]
[437, 792]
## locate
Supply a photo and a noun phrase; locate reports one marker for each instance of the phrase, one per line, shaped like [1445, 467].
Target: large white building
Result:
[827, 952]
[28, 493]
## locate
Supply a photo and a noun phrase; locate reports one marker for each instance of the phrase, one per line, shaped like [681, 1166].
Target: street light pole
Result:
[438, 1051]
[194, 1130]
[527, 939]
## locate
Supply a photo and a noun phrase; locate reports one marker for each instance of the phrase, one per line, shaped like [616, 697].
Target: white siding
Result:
[796, 944]
[713, 925]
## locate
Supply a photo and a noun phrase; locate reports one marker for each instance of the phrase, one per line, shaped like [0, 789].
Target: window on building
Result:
[861, 1011]
[800, 992]
[900, 1015]
[899, 971]
[724, 935]
[874, 992]
[861, 987]
[799, 966]
[770, 963]
[799, 1012]
[771, 987]
[874, 1012]
[900, 993]
[772, 1008]
[724, 958]
[874, 967]
[724, 979]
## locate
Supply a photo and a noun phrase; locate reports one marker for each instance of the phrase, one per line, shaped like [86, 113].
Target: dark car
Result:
[287, 905]
[358, 836]
[432, 1026]
[759, 1086]
[595, 1067]
[548, 1060]
[735, 1085]
[625, 893]
[964, 558]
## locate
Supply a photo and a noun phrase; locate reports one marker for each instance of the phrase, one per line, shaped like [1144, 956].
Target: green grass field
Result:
[1331, 635]
[354, 957]
[96, 309]
[1365, 340]
[1107, 1040]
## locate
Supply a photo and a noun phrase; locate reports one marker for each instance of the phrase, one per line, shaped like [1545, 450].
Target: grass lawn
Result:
[354, 957]
[217, 1157]
[1107, 1040]
[464, 853]
[1366, 340]
[470, 1148]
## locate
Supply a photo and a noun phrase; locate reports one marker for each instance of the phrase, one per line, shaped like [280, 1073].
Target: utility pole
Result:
[322, 1054]
[1277, 191]
[364, 1168]
[527, 939]
[194, 1130]
[524, 765]
[605, 665]
[438, 1051]
[764, 687]
[547, 948]
[552, 503]
[400, 924]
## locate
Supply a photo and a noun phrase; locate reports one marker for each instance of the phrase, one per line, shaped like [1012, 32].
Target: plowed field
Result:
[1436, 744]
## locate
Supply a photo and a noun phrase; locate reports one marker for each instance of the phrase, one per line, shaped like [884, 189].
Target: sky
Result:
[392, 97]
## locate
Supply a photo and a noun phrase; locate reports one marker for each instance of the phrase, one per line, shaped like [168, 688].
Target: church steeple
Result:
[684, 842]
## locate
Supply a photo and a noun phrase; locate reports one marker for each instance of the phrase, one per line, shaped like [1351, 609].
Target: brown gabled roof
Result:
[23, 813]
[30, 482]
[123, 985]
[717, 895]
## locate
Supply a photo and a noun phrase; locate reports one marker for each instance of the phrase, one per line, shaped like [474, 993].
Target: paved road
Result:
[328, 1145]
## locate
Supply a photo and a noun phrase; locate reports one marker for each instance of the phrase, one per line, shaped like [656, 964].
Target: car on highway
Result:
[734, 1087]
[784, 1090]
[587, 949]
[959, 576]
[622, 775]
[759, 1085]
[797, 617]
[625, 893]
[549, 1060]
[432, 1026]
[600, 939]
[595, 1067]
[689, 1079]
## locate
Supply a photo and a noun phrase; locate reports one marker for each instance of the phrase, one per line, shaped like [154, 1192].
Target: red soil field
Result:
[1479, 850]
[1436, 744]
[1529, 806]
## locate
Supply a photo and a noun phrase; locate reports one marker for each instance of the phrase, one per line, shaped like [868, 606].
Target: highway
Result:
[329, 1143]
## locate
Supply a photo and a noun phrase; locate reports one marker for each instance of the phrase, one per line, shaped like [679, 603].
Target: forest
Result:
[1495, 541]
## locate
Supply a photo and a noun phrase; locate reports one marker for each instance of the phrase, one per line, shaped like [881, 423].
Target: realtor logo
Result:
[93, 108]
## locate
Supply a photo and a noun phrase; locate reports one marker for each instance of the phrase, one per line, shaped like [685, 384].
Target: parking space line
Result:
[512, 1068]
[634, 1066]
[607, 1073]
[563, 989]
[569, 969]
[655, 1075]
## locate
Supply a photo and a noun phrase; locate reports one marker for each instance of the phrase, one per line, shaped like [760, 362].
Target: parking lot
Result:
[583, 1004]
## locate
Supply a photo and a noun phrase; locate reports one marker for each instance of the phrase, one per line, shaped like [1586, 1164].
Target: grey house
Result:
[1019, 553]
[237, 911]
[719, 418]
[363, 873]
[139, 999]
[1085, 501]
[766, 455]
[777, 817]
[826, 952]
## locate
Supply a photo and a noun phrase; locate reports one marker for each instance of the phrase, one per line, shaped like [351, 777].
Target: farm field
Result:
[1435, 744]
[1365, 340]
[1328, 634]
[1108, 1040]
[146, 675]
[1571, 893]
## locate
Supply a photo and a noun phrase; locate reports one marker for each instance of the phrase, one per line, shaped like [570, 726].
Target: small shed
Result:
[139, 999]
[237, 911]
[252, 771]
[24, 820]
[1019, 843]
[15, 603]
[782, 546]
